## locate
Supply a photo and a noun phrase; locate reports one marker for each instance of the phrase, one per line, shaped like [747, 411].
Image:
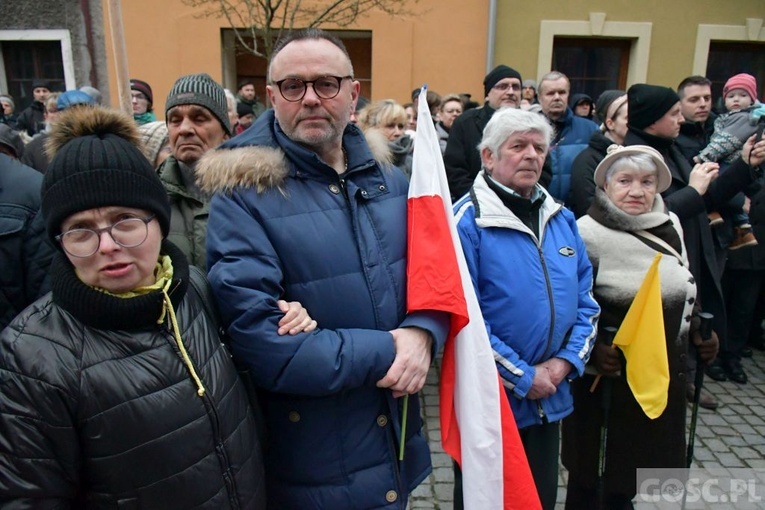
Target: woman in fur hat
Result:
[115, 389]
[625, 227]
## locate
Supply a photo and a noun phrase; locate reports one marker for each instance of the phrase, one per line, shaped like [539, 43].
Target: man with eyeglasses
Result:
[502, 88]
[196, 113]
[307, 210]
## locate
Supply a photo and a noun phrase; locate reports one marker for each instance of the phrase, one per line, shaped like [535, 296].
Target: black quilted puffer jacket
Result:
[99, 410]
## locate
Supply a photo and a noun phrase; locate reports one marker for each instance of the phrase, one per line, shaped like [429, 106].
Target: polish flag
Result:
[477, 426]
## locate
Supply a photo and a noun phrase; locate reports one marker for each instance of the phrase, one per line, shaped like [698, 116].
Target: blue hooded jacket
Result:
[535, 295]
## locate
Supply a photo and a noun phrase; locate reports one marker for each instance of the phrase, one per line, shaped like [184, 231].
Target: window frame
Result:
[597, 26]
[60, 35]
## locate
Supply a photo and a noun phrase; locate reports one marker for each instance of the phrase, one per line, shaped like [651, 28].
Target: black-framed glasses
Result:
[326, 87]
[84, 242]
[501, 87]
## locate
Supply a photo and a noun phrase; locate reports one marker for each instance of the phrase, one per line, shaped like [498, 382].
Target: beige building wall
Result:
[443, 46]
[674, 27]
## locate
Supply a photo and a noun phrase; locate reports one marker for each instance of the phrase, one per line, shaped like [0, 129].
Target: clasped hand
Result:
[410, 367]
[549, 374]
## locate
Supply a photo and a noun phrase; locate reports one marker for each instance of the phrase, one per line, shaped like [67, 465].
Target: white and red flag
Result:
[477, 425]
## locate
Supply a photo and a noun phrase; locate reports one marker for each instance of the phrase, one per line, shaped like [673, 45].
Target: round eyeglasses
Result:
[84, 242]
[326, 87]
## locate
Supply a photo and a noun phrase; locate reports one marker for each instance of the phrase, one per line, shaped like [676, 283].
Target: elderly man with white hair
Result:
[534, 283]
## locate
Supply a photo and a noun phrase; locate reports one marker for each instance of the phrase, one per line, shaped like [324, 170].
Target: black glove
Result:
[606, 359]
[707, 349]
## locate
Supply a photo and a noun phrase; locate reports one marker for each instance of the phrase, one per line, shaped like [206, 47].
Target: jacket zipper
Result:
[549, 297]
[212, 415]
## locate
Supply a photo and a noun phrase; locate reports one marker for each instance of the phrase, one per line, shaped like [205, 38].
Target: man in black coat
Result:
[502, 87]
[655, 119]
[25, 252]
[695, 94]
[32, 119]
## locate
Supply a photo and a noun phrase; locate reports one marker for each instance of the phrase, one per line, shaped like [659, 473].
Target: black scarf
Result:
[103, 311]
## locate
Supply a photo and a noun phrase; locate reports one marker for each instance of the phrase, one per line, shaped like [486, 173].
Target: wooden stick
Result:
[120, 56]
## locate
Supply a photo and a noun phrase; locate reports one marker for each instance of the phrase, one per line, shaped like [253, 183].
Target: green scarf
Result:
[144, 118]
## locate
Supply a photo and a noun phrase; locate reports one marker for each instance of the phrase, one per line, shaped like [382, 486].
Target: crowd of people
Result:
[225, 289]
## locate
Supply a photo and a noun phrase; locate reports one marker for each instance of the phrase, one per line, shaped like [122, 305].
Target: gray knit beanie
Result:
[200, 89]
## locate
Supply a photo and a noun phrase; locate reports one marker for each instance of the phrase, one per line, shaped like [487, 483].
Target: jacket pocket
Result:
[10, 225]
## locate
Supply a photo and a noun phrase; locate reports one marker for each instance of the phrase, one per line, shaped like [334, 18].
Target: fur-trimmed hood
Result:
[255, 159]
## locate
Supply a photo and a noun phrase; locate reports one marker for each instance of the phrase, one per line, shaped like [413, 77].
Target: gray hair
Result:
[9, 100]
[552, 76]
[642, 162]
[509, 121]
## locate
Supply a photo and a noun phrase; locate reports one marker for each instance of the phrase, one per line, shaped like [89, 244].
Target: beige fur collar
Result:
[261, 167]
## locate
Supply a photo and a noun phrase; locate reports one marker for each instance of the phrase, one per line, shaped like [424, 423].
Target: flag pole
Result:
[120, 56]
[402, 443]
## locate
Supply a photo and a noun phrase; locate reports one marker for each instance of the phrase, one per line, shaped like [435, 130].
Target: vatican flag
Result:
[641, 338]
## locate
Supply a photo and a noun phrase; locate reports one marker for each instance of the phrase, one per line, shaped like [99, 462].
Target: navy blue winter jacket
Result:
[286, 226]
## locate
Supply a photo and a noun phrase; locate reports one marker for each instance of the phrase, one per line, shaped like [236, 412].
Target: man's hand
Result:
[296, 319]
[542, 386]
[753, 155]
[410, 367]
[558, 369]
[606, 359]
[701, 175]
[707, 349]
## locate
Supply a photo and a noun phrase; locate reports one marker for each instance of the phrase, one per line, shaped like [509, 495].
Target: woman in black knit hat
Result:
[115, 389]
[611, 112]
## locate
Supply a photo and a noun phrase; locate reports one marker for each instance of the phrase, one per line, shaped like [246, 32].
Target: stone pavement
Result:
[733, 436]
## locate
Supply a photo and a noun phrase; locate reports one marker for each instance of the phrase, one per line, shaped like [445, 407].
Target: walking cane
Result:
[705, 329]
[605, 404]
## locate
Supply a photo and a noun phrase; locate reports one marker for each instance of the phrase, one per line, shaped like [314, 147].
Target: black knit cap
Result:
[648, 103]
[97, 163]
[498, 73]
[202, 90]
[605, 99]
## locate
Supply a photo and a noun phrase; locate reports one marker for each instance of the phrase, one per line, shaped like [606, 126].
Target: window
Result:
[27, 55]
[629, 39]
[729, 58]
[27, 61]
[592, 64]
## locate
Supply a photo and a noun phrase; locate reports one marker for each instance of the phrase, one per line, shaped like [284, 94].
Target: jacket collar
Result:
[659, 143]
[490, 211]
[263, 156]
